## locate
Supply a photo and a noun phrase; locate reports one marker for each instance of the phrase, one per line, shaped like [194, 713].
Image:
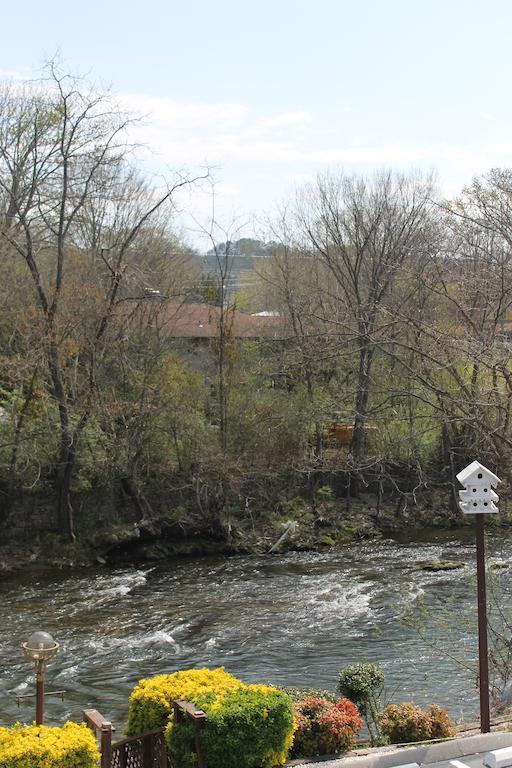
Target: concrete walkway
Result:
[469, 747]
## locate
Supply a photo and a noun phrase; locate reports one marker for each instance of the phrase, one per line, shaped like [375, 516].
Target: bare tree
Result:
[296, 284]
[62, 150]
[365, 231]
[464, 348]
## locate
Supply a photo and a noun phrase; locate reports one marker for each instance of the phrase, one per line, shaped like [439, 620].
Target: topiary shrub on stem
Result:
[364, 684]
[403, 723]
[324, 727]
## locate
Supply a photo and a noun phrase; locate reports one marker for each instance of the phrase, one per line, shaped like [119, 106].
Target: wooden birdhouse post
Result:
[478, 498]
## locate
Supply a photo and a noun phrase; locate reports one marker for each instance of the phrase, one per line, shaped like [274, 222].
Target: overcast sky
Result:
[270, 92]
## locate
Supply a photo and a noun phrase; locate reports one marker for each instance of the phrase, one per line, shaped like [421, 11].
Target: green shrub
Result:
[324, 493]
[38, 746]
[324, 728]
[297, 694]
[363, 684]
[247, 726]
[404, 723]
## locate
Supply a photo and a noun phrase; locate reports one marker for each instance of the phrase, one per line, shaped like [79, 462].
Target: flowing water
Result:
[293, 620]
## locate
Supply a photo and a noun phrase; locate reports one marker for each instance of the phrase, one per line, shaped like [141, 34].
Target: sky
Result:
[268, 94]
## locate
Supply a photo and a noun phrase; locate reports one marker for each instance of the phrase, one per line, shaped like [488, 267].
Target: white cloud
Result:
[258, 155]
[16, 75]
[166, 112]
[286, 119]
[195, 132]
[230, 133]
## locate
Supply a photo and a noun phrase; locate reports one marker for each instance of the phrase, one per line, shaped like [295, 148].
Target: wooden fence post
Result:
[106, 745]
[96, 722]
[198, 722]
[183, 708]
[148, 752]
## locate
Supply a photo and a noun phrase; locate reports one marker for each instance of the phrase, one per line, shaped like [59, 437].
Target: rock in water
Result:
[440, 565]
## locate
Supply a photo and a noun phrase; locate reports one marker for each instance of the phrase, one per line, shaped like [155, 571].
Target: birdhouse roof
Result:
[471, 472]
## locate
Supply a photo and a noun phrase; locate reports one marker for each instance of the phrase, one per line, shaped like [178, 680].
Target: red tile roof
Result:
[202, 321]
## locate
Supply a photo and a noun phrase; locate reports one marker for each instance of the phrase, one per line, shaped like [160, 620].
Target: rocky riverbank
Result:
[298, 525]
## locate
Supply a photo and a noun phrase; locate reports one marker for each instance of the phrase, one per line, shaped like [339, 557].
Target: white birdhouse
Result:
[478, 495]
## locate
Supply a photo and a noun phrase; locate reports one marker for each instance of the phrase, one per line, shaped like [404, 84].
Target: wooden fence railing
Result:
[145, 750]
[103, 729]
[186, 709]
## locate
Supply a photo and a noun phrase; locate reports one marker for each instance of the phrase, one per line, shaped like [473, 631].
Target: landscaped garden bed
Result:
[260, 726]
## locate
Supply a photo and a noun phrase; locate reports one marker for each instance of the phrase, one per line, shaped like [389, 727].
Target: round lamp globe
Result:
[41, 641]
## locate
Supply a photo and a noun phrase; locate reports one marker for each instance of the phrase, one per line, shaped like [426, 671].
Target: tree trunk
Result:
[65, 519]
[357, 444]
[67, 450]
[17, 433]
[362, 396]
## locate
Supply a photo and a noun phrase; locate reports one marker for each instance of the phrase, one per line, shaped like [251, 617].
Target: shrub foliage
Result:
[407, 722]
[324, 727]
[151, 700]
[247, 726]
[363, 684]
[38, 746]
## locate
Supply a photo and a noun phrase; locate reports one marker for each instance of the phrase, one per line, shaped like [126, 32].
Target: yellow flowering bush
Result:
[151, 700]
[39, 746]
[247, 726]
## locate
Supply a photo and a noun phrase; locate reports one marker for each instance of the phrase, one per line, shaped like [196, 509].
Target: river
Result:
[294, 619]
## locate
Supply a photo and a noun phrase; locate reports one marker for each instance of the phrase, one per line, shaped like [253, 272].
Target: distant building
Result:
[202, 321]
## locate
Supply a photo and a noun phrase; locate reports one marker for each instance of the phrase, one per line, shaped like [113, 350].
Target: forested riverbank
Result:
[111, 534]
[152, 404]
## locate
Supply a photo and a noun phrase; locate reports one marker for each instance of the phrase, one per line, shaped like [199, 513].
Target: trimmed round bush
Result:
[251, 727]
[247, 726]
[151, 700]
[324, 727]
[403, 723]
[361, 683]
[39, 746]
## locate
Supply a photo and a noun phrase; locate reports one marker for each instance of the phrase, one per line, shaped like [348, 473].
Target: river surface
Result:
[294, 620]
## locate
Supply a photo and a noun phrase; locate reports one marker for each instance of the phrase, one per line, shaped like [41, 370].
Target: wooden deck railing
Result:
[186, 709]
[145, 750]
[103, 729]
